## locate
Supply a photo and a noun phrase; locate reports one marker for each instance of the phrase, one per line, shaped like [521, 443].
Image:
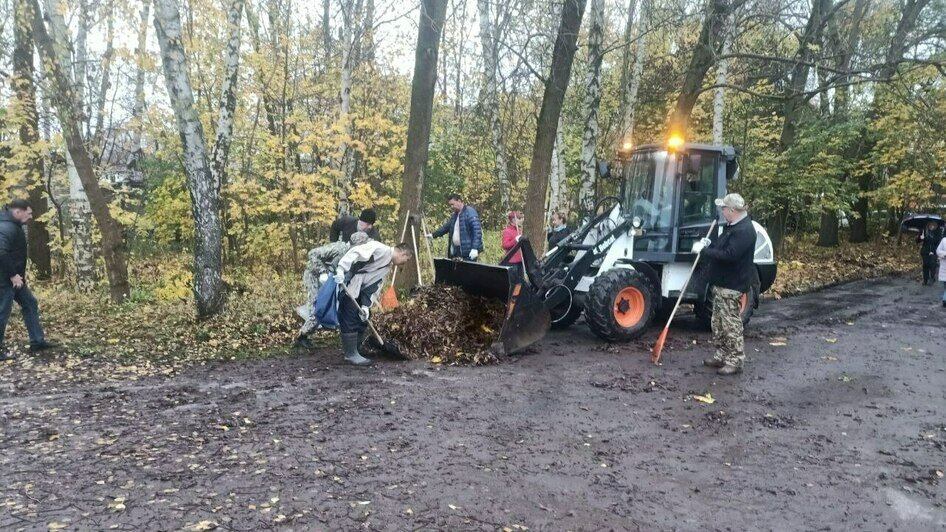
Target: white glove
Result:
[430, 236]
[518, 237]
[697, 247]
[340, 276]
[473, 254]
[364, 313]
[706, 242]
[323, 278]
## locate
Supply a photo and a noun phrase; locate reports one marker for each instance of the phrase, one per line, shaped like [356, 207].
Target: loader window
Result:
[699, 190]
[649, 189]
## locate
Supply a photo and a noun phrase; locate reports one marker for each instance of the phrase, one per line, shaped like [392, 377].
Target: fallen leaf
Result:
[55, 526]
[708, 399]
[202, 525]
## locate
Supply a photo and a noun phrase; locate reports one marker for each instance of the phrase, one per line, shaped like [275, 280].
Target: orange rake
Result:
[388, 300]
[659, 346]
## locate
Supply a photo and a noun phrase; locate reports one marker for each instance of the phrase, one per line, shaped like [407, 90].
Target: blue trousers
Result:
[29, 307]
[349, 321]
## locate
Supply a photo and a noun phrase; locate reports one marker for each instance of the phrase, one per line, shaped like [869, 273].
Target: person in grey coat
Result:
[13, 286]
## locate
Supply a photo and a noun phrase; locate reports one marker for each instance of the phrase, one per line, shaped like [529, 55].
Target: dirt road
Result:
[838, 423]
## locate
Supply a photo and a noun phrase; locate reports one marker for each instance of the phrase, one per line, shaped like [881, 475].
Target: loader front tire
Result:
[620, 305]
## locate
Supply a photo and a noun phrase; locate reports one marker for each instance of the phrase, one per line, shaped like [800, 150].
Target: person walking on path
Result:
[466, 233]
[361, 271]
[731, 268]
[13, 285]
[929, 240]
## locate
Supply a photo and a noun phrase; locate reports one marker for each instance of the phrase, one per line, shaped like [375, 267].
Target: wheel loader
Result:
[631, 257]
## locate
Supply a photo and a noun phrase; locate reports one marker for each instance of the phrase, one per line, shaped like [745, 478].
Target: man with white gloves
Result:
[731, 271]
[466, 233]
[361, 272]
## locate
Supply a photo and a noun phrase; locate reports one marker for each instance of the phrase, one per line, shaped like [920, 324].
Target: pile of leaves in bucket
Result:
[445, 325]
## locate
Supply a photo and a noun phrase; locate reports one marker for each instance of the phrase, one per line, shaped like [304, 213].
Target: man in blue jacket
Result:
[466, 233]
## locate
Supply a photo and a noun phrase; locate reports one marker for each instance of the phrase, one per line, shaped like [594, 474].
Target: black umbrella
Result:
[917, 222]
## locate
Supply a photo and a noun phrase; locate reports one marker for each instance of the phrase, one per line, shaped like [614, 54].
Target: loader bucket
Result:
[527, 318]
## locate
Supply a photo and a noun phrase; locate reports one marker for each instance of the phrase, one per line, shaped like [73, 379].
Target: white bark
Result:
[589, 141]
[626, 53]
[489, 39]
[205, 196]
[557, 173]
[722, 73]
[640, 50]
[138, 110]
[231, 60]
[346, 153]
[79, 66]
[104, 86]
[80, 211]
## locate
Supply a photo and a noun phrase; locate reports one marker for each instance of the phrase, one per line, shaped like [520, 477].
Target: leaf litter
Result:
[444, 325]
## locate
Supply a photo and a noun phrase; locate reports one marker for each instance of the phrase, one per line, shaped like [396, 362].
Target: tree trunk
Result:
[626, 53]
[828, 232]
[557, 172]
[859, 224]
[704, 56]
[432, 16]
[489, 39]
[138, 111]
[113, 245]
[204, 192]
[589, 139]
[722, 73]
[563, 55]
[80, 212]
[98, 142]
[634, 81]
[225, 112]
[326, 33]
[346, 162]
[25, 94]
[810, 39]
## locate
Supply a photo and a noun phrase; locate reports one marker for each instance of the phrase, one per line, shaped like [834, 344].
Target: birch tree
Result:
[722, 73]
[68, 109]
[637, 70]
[204, 190]
[138, 110]
[351, 10]
[563, 55]
[556, 173]
[589, 139]
[489, 38]
[80, 210]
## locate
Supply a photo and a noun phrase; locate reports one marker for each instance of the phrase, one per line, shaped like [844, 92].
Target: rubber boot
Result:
[350, 346]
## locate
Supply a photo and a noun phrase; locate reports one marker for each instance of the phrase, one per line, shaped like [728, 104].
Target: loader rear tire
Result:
[620, 305]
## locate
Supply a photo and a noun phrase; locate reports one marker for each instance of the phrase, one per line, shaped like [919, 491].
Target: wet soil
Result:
[838, 423]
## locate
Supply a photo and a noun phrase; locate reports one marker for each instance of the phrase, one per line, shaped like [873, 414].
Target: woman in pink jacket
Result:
[511, 235]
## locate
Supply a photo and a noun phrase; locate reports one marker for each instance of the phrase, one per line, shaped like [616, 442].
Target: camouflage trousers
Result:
[727, 326]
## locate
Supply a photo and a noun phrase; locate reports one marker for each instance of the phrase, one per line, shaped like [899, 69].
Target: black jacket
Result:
[12, 248]
[930, 240]
[556, 236]
[731, 256]
[347, 226]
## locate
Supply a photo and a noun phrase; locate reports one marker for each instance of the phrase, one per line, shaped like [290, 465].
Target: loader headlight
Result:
[636, 222]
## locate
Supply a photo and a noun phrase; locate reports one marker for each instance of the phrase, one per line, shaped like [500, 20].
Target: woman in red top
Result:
[511, 235]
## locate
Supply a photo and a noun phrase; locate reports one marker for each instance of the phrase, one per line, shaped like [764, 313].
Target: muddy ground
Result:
[838, 423]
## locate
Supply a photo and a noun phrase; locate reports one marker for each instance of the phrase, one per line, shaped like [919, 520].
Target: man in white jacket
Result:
[361, 271]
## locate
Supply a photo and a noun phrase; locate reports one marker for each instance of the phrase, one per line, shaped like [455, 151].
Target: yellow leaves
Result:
[55, 526]
[201, 526]
[118, 504]
[708, 399]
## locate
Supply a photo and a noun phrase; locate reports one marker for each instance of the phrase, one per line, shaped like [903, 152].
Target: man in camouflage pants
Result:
[322, 263]
[731, 273]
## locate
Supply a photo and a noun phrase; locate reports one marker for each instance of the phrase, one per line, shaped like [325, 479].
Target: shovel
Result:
[659, 346]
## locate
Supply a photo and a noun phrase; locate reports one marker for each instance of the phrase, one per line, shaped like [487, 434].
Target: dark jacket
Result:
[731, 256]
[930, 240]
[12, 248]
[471, 232]
[346, 226]
[556, 236]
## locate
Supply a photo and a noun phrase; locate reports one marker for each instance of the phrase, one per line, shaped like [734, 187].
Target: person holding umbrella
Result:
[929, 239]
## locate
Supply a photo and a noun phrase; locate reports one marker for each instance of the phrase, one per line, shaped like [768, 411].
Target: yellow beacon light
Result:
[675, 141]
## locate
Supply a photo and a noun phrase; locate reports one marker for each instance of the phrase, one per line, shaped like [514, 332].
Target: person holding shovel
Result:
[731, 267]
[360, 274]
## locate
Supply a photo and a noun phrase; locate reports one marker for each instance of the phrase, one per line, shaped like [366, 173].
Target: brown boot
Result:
[713, 362]
[729, 369]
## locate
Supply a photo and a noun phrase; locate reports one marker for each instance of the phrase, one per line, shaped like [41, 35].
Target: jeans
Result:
[930, 265]
[349, 320]
[944, 291]
[29, 307]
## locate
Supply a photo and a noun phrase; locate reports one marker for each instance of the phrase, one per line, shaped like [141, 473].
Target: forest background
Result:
[182, 158]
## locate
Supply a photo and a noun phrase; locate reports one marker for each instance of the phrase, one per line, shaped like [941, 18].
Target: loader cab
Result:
[668, 194]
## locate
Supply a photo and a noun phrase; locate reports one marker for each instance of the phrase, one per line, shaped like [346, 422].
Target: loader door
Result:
[699, 189]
